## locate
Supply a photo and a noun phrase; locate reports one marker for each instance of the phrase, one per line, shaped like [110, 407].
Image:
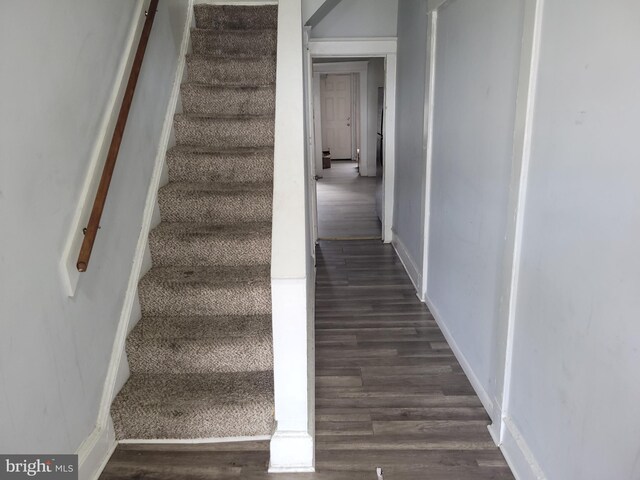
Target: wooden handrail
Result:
[103, 188]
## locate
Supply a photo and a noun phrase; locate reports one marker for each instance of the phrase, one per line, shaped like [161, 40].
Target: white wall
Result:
[375, 80]
[410, 168]
[359, 18]
[575, 391]
[54, 350]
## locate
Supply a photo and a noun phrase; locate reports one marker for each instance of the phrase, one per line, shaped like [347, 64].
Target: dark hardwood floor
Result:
[389, 391]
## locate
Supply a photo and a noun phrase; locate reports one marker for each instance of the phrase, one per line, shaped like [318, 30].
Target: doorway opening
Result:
[348, 121]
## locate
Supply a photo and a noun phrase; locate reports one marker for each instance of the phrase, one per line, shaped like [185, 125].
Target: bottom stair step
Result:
[195, 406]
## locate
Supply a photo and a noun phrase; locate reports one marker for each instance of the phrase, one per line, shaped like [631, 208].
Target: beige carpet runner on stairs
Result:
[201, 356]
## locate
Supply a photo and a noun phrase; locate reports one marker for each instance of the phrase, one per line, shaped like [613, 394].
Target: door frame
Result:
[342, 68]
[357, 48]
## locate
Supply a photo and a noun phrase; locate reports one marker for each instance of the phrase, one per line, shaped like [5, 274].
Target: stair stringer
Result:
[118, 370]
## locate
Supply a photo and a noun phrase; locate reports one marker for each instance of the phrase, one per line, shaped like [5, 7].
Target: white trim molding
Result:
[352, 47]
[291, 452]
[69, 274]
[427, 145]
[364, 48]
[523, 130]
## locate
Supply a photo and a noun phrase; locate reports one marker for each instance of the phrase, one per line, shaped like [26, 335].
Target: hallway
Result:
[347, 203]
[389, 391]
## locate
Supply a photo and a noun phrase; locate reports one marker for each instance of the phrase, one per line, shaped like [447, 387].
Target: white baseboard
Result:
[291, 452]
[518, 455]
[407, 260]
[466, 366]
[95, 451]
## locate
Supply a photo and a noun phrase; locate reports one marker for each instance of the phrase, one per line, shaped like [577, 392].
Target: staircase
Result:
[201, 356]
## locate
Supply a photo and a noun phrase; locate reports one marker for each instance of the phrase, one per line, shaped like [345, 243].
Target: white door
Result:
[335, 98]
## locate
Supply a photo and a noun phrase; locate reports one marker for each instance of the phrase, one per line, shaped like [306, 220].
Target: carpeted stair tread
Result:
[236, 16]
[206, 290]
[201, 344]
[195, 406]
[217, 204]
[234, 43]
[206, 244]
[200, 98]
[203, 164]
[218, 70]
[221, 131]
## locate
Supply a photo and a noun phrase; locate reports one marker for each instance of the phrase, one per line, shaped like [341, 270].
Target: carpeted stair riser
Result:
[172, 291]
[186, 164]
[224, 132]
[224, 17]
[234, 43]
[215, 204]
[231, 70]
[195, 406]
[200, 345]
[205, 244]
[205, 99]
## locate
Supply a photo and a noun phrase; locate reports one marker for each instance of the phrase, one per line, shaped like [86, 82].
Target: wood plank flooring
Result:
[346, 203]
[389, 391]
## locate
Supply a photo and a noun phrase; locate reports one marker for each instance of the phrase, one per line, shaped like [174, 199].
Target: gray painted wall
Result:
[54, 350]
[574, 390]
[410, 161]
[576, 373]
[359, 18]
[477, 64]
